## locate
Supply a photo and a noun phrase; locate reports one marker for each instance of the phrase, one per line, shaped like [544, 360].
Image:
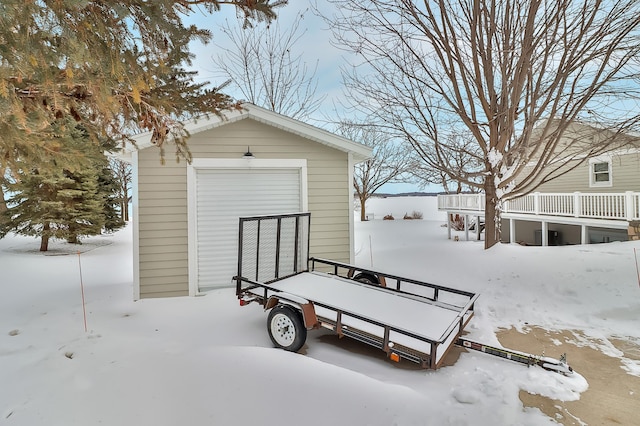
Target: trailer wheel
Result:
[286, 328]
[366, 278]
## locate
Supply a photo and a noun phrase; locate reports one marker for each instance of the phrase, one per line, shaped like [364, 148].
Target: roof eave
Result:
[360, 152]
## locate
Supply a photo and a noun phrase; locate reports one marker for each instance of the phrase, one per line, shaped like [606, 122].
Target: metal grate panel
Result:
[273, 247]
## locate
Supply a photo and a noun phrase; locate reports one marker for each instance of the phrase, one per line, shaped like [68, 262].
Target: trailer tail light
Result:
[394, 357]
[245, 302]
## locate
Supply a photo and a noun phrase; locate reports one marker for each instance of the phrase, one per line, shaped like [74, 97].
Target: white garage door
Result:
[224, 195]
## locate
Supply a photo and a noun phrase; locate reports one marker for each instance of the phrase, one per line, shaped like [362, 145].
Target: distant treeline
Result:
[408, 194]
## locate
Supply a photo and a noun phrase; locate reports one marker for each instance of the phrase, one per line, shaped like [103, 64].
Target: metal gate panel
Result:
[273, 247]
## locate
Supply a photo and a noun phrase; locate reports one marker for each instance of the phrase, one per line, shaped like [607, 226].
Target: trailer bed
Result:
[403, 314]
[404, 317]
[400, 311]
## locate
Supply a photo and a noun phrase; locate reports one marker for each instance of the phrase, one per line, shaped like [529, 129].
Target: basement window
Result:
[600, 172]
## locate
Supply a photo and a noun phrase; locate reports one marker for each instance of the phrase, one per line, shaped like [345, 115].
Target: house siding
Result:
[625, 171]
[162, 198]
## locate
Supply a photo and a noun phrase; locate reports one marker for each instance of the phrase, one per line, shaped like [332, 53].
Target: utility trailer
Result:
[405, 318]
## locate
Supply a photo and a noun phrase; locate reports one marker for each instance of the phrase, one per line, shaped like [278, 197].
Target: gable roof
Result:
[249, 111]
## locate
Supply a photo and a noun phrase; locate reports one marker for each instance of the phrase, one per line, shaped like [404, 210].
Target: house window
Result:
[600, 172]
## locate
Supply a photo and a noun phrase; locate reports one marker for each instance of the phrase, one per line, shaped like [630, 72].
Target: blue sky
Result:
[315, 47]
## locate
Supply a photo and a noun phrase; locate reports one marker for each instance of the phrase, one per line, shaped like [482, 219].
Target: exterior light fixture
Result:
[248, 154]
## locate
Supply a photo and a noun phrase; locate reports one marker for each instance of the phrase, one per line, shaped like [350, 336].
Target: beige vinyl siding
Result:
[625, 163]
[162, 203]
[625, 172]
[574, 180]
[162, 216]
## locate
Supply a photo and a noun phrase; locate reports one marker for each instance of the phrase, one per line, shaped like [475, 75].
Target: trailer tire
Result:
[366, 278]
[286, 328]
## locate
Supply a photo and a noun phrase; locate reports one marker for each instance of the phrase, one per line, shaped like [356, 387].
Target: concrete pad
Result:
[613, 397]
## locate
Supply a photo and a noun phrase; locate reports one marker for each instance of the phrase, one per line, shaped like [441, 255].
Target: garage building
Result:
[252, 162]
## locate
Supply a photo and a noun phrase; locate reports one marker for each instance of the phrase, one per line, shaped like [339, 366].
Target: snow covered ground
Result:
[208, 361]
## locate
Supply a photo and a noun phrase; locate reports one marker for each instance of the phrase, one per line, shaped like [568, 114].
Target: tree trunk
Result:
[3, 202]
[44, 240]
[491, 214]
[3, 206]
[363, 212]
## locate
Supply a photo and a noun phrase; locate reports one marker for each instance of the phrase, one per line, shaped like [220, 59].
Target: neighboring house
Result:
[185, 216]
[589, 200]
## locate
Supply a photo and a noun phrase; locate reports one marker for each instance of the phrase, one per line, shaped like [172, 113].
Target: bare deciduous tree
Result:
[389, 162]
[455, 160]
[514, 74]
[263, 65]
[122, 173]
[402, 108]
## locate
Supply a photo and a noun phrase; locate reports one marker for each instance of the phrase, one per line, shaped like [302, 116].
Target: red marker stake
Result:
[84, 311]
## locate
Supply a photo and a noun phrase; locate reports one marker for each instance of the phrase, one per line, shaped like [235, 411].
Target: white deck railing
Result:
[620, 206]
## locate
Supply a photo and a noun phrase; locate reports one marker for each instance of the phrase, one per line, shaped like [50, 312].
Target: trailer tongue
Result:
[406, 318]
[551, 364]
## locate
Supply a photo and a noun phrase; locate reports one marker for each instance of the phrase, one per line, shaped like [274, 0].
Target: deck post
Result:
[466, 227]
[583, 234]
[577, 205]
[536, 203]
[628, 203]
[448, 225]
[545, 233]
[512, 231]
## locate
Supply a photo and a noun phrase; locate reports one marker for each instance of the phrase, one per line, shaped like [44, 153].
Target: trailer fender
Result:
[367, 277]
[306, 307]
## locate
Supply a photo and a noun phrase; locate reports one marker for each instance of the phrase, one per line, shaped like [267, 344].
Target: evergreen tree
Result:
[72, 196]
[108, 68]
[108, 187]
[114, 67]
[38, 206]
[83, 203]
